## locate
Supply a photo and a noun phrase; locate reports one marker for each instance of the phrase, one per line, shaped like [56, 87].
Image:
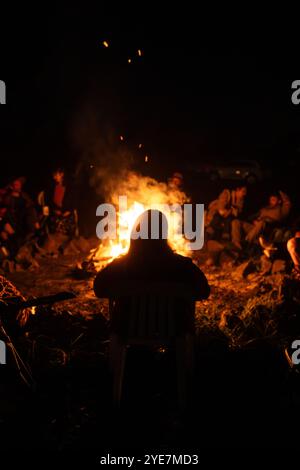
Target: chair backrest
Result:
[152, 311]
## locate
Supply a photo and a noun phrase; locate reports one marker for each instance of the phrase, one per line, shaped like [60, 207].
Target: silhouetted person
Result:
[151, 260]
[293, 247]
[176, 181]
[151, 264]
[223, 216]
[268, 217]
[6, 233]
[59, 195]
[59, 198]
[20, 208]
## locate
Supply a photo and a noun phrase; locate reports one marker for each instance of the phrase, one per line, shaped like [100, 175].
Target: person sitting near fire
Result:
[266, 219]
[176, 181]
[293, 247]
[223, 212]
[151, 260]
[58, 203]
[6, 233]
[151, 263]
[21, 210]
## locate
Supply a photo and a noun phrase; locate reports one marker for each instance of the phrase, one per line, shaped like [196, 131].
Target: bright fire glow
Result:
[142, 193]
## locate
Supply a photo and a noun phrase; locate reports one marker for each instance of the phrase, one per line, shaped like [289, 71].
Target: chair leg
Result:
[117, 365]
[181, 373]
[185, 368]
[190, 355]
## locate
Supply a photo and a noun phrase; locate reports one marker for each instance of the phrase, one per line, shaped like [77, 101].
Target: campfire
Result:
[142, 193]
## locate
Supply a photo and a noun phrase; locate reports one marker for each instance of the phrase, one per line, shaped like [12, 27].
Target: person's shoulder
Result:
[115, 265]
[188, 263]
[225, 191]
[107, 277]
[182, 257]
[184, 260]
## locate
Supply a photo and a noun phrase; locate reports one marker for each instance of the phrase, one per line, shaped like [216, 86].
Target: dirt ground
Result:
[241, 373]
[228, 290]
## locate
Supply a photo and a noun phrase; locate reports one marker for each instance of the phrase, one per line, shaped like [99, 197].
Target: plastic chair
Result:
[152, 314]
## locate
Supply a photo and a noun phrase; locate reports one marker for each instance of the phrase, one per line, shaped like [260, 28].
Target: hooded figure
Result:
[151, 260]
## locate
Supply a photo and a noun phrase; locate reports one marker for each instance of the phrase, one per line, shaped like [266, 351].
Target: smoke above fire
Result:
[113, 175]
[113, 161]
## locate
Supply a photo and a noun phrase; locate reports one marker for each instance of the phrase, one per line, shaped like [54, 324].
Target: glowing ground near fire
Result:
[247, 301]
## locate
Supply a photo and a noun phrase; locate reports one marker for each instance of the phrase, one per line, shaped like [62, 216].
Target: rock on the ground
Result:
[243, 270]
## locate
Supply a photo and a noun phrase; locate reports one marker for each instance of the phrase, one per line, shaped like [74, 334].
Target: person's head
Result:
[149, 235]
[58, 175]
[17, 185]
[241, 191]
[274, 199]
[176, 180]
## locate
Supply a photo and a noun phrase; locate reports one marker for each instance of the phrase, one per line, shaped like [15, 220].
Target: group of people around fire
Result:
[24, 220]
[268, 229]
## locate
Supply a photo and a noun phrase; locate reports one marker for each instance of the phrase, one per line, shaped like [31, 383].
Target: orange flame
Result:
[142, 193]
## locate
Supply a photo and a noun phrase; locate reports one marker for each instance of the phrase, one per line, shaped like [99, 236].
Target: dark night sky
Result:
[191, 95]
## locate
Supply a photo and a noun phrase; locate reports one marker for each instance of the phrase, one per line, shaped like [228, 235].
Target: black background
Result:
[194, 94]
